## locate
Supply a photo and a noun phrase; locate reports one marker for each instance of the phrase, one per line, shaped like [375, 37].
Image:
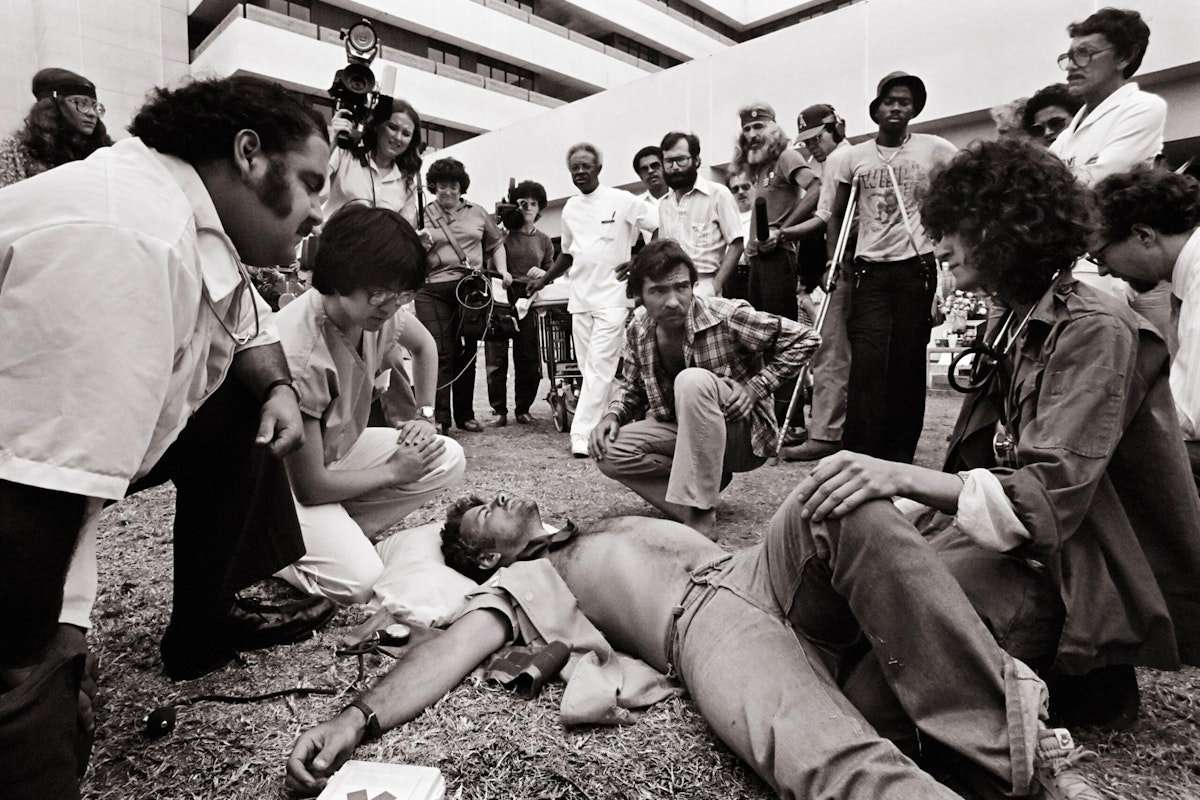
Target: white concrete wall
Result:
[972, 55]
[125, 47]
[485, 30]
[309, 65]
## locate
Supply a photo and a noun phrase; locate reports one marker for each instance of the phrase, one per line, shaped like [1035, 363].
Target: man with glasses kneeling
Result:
[351, 482]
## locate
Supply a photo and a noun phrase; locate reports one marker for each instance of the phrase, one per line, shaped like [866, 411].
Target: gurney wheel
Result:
[559, 407]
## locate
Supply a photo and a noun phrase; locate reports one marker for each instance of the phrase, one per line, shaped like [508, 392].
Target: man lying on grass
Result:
[762, 662]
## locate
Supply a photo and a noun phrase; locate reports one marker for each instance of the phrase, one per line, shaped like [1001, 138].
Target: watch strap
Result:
[373, 729]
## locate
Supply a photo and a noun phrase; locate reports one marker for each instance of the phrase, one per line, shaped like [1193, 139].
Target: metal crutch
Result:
[839, 252]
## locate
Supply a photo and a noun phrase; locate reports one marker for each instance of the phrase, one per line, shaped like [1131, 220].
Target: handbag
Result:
[479, 315]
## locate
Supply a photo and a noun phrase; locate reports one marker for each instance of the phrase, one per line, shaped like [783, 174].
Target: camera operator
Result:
[530, 254]
[382, 168]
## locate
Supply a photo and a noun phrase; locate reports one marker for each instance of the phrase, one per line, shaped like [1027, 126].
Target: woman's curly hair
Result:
[1017, 207]
[448, 170]
[49, 138]
[198, 121]
[460, 554]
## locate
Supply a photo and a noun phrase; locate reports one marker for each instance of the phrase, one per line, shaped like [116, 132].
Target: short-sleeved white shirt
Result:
[704, 222]
[350, 179]
[119, 290]
[598, 231]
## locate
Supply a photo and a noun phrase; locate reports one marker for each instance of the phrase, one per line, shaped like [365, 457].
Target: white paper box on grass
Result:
[372, 780]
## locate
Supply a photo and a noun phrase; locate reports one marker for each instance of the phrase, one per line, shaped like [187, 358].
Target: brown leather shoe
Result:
[471, 425]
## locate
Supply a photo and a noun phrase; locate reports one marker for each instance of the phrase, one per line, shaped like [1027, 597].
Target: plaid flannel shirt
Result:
[725, 337]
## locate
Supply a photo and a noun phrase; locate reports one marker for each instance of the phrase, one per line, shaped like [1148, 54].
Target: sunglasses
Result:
[1054, 125]
[738, 188]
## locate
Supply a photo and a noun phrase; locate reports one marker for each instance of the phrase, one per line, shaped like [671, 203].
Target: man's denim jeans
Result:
[761, 638]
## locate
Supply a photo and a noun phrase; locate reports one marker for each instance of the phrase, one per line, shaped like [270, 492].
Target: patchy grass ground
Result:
[489, 745]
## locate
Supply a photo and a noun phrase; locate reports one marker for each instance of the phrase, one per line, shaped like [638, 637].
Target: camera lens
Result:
[361, 37]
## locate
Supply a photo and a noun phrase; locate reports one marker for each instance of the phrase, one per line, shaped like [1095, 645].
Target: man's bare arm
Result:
[419, 680]
[280, 425]
[561, 265]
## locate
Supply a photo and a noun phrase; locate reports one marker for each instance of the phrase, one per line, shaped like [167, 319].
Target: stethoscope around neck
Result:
[986, 356]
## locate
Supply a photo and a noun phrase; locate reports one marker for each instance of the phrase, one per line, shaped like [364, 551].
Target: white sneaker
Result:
[579, 446]
[1054, 767]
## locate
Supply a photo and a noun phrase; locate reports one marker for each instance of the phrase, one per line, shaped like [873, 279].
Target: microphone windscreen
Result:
[762, 229]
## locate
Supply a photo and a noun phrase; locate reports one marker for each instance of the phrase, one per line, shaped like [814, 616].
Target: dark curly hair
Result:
[448, 170]
[1162, 200]
[362, 247]
[1056, 94]
[1017, 207]
[1123, 28]
[530, 189]
[49, 138]
[198, 121]
[462, 555]
[654, 261]
[409, 161]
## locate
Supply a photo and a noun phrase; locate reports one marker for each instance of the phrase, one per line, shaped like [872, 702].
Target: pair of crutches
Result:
[839, 252]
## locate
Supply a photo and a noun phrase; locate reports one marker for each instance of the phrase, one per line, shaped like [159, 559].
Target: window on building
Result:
[634, 48]
[524, 5]
[443, 53]
[506, 73]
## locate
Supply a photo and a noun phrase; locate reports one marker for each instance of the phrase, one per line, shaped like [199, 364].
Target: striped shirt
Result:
[725, 337]
[704, 221]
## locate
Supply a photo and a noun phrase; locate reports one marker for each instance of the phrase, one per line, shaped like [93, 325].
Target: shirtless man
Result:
[659, 590]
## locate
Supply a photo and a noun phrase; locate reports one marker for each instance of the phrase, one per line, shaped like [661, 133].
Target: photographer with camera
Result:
[529, 253]
[383, 167]
[460, 233]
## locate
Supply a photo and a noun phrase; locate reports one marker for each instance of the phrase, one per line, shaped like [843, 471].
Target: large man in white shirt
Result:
[599, 228]
[1151, 237]
[699, 214]
[124, 305]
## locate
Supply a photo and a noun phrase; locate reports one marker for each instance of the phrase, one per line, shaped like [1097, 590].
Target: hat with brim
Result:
[915, 85]
[813, 120]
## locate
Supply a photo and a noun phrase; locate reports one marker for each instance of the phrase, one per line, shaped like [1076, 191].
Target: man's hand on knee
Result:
[740, 402]
[842, 482]
[604, 433]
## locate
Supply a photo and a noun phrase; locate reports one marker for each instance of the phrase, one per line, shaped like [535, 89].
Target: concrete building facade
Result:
[507, 85]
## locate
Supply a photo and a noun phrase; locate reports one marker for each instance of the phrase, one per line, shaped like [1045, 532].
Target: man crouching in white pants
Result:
[351, 482]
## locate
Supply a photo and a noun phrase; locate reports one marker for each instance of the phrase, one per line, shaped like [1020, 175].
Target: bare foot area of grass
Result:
[488, 744]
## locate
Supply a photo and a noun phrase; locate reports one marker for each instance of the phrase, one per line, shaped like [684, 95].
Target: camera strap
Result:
[441, 223]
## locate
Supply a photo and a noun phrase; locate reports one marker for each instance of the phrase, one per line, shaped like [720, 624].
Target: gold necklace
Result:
[892, 157]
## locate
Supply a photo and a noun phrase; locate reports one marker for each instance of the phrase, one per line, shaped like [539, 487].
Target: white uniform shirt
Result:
[117, 285]
[1185, 369]
[598, 230]
[1125, 130]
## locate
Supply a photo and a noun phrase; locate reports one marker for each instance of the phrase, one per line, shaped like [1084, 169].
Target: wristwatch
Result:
[373, 729]
[425, 413]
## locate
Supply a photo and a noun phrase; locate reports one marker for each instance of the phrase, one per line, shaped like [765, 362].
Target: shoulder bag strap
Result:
[441, 223]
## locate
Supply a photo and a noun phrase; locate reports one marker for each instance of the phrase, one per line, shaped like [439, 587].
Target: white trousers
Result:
[341, 562]
[599, 337]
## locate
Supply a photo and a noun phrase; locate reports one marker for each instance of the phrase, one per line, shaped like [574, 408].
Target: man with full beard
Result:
[778, 174]
[699, 214]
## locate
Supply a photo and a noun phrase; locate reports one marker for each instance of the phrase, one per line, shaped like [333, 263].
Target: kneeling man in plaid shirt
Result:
[704, 369]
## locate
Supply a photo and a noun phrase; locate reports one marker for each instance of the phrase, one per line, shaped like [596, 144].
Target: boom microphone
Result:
[762, 230]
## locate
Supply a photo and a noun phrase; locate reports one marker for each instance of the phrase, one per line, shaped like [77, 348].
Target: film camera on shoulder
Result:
[354, 91]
